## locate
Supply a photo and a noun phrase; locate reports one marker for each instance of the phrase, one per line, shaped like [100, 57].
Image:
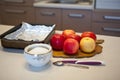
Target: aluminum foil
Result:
[28, 32]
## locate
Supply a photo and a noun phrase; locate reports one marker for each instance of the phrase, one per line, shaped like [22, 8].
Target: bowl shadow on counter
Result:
[38, 69]
[13, 50]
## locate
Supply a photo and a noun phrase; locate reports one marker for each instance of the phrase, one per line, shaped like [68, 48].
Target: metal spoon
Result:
[60, 63]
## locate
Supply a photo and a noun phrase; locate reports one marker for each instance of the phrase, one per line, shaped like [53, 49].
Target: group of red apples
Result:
[70, 42]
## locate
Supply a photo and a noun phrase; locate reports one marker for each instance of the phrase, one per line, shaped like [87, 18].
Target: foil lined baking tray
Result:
[24, 34]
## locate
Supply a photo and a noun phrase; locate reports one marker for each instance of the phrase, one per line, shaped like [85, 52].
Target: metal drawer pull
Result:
[15, 11]
[112, 29]
[47, 13]
[76, 15]
[112, 17]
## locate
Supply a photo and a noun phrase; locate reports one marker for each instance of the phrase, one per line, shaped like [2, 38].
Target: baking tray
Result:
[21, 44]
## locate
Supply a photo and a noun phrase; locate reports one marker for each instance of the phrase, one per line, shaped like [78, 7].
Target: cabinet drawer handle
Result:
[112, 29]
[17, 1]
[47, 13]
[76, 15]
[112, 17]
[15, 11]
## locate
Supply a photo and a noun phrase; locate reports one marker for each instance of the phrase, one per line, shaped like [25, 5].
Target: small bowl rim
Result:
[32, 46]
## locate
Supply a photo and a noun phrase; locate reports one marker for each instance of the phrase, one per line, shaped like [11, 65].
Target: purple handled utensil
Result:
[88, 62]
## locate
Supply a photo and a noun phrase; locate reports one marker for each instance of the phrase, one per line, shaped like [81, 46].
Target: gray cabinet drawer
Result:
[15, 15]
[79, 20]
[112, 29]
[48, 16]
[106, 16]
[18, 2]
[1, 13]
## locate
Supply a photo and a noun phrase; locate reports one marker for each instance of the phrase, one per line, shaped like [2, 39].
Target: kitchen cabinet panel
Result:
[107, 28]
[106, 16]
[0, 11]
[48, 16]
[14, 15]
[0, 2]
[106, 22]
[79, 20]
[19, 2]
[16, 11]
[0, 14]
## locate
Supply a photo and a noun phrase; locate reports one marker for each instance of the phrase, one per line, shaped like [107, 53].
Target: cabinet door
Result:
[79, 20]
[112, 29]
[48, 16]
[1, 11]
[106, 16]
[0, 2]
[0, 14]
[14, 15]
[19, 2]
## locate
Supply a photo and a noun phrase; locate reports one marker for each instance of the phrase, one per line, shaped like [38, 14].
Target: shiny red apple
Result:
[71, 46]
[75, 36]
[68, 32]
[57, 41]
[89, 34]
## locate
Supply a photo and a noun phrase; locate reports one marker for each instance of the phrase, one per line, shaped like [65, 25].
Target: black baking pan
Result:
[21, 44]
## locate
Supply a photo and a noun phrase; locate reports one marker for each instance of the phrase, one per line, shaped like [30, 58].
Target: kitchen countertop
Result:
[78, 5]
[6, 28]
[13, 65]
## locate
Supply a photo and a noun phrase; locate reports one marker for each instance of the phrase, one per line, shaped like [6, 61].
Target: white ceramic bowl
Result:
[38, 54]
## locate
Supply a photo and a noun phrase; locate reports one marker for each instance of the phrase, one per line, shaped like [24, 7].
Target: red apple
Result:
[68, 32]
[57, 41]
[71, 46]
[89, 34]
[75, 36]
[87, 44]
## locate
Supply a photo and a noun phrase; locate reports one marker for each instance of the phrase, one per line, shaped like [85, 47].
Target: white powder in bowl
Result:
[38, 50]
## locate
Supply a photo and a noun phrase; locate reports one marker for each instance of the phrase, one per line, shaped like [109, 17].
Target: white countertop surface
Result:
[78, 5]
[13, 66]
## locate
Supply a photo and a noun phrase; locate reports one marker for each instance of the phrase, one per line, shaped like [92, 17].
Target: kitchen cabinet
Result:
[48, 16]
[18, 2]
[106, 22]
[16, 11]
[79, 20]
[15, 15]
[0, 14]
[0, 9]
[1, 2]
[0, 20]
[76, 19]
